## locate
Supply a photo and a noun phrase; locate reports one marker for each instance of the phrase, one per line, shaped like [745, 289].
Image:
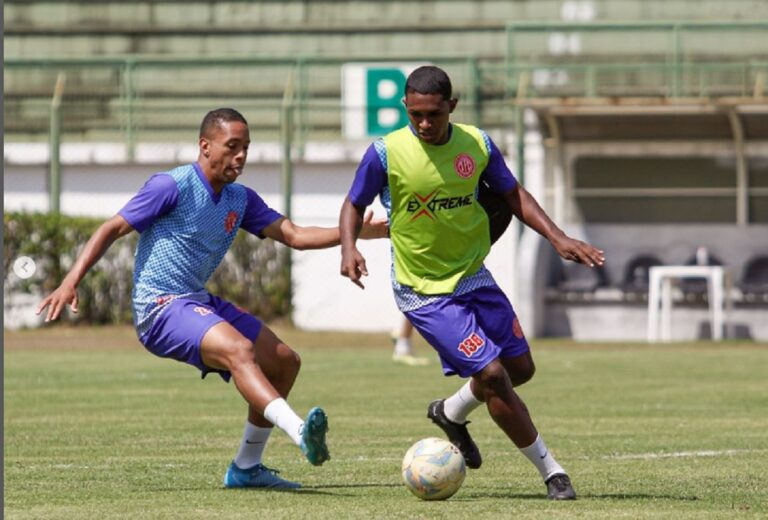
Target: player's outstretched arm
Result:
[525, 207]
[350, 224]
[97, 245]
[314, 237]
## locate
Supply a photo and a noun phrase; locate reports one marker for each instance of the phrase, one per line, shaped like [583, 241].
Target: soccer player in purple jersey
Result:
[188, 218]
[427, 177]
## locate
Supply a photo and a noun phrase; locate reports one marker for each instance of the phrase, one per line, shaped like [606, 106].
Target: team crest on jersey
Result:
[464, 165]
[517, 330]
[202, 311]
[471, 344]
[165, 298]
[230, 221]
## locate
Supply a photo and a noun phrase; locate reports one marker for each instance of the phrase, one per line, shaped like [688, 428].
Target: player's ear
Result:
[452, 104]
[205, 146]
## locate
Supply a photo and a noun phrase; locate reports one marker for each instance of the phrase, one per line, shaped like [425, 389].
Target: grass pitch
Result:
[96, 427]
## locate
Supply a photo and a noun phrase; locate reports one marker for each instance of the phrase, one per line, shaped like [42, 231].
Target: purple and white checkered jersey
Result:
[186, 229]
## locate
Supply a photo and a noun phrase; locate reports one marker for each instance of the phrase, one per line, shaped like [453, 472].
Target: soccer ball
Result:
[433, 469]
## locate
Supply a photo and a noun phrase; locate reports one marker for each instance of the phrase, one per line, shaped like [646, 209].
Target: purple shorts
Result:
[471, 330]
[179, 329]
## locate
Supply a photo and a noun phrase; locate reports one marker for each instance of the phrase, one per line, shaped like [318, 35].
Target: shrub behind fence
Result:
[254, 273]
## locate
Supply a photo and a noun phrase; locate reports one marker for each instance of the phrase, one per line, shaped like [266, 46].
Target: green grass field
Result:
[95, 427]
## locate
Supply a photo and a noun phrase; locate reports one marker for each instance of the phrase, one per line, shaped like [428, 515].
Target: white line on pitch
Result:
[680, 454]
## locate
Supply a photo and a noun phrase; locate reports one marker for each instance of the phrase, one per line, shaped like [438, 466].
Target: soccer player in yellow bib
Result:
[427, 177]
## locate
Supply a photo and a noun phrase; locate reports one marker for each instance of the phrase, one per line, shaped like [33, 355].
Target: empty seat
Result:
[754, 282]
[578, 278]
[637, 273]
[695, 289]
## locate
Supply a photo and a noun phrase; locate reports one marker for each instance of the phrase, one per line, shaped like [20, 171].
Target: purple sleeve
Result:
[257, 214]
[370, 178]
[157, 197]
[496, 173]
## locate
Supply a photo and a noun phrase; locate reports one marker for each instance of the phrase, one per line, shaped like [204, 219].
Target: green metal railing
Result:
[133, 95]
[677, 50]
[701, 80]
[123, 106]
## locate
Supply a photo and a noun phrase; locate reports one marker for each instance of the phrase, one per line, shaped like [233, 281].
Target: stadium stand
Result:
[147, 66]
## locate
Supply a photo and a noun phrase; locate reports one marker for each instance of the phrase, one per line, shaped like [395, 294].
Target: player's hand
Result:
[353, 266]
[578, 251]
[64, 295]
[378, 228]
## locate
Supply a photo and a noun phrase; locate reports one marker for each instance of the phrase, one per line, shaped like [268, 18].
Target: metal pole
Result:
[286, 137]
[522, 92]
[473, 81]
[591, 88]
[677, 60]
[298, 96]
[759, 89]
[742, 168]
[129, 94]
[55, 145]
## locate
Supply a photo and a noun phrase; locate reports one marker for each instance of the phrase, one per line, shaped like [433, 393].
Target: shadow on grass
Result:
[304, 490]
[341, 486]
[471, 497]
[295, 492]
[329, 489]
[639, 496]
[478, 495]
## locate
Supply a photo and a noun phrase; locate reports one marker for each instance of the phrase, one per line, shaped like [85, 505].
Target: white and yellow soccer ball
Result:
[433, 469]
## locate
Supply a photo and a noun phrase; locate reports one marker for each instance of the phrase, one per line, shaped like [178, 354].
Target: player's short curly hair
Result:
[216, 118]
[429, 79]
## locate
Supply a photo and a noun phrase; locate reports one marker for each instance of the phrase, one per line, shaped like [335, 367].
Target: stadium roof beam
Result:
[625, 122]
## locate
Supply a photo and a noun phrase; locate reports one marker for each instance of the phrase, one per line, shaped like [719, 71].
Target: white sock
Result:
[540, 456]
[279, 413]
[460, 404]
[403, 347]
[252, 446]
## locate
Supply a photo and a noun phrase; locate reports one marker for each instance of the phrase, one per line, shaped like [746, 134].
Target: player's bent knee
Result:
[520, 369]
[522, 376]
[292, 362]
[237, 353]
[278, 359]
[493, 378]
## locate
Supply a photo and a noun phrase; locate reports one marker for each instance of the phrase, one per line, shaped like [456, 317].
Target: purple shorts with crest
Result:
[471, 330]
[179, 329]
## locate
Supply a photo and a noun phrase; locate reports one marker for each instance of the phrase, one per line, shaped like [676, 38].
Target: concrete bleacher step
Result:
[169, 14]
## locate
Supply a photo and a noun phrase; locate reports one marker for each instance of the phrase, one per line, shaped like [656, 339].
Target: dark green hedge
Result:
[254, 274]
